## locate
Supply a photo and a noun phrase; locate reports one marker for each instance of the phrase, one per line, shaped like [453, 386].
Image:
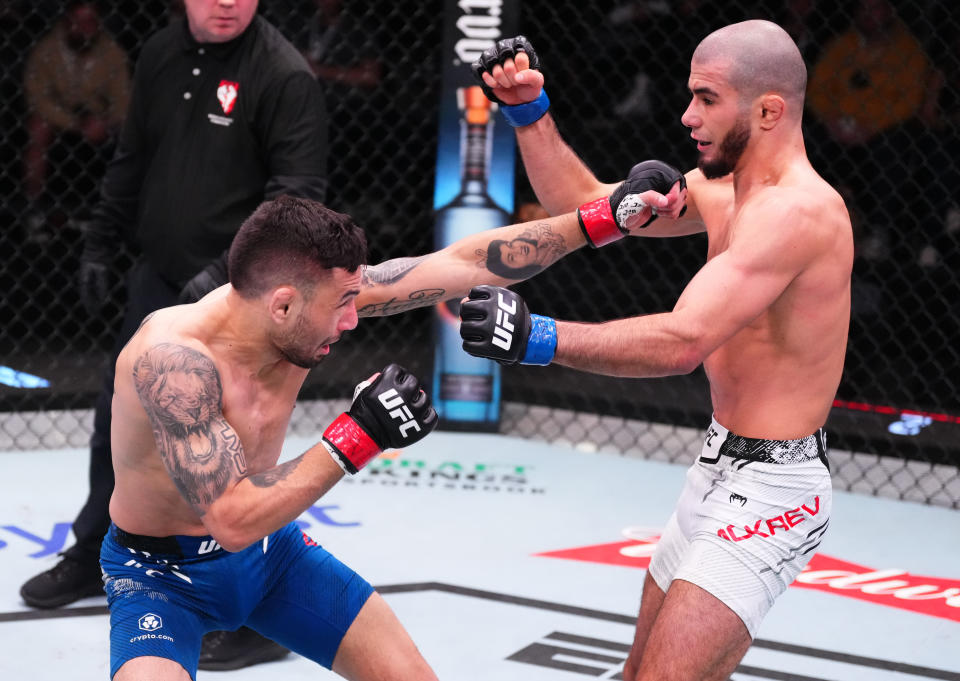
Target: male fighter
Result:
[202, 535]
[767, 316]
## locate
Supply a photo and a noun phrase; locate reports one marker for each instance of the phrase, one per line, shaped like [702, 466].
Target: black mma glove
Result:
[495, 323]
[605, 220]
[503, 50]
[96, 260]
[210, 277]
[517, 115]
[389, 411]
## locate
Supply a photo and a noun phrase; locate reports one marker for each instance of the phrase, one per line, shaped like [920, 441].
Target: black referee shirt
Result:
[213, 129]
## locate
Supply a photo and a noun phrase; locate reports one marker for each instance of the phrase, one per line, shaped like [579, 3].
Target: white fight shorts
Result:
[751, 515]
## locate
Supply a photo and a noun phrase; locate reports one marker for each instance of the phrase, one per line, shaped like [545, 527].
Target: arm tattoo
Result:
[421, 298]
[526, 254]
[181, 392]
[271, 477]
[391, 271]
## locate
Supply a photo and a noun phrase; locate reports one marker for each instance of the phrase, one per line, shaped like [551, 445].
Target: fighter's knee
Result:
[151, 667]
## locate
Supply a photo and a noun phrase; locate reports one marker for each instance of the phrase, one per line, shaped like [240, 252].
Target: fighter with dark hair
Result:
[203, 396]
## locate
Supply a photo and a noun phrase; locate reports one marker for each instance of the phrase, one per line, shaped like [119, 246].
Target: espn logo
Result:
[503, 328]
[396, 408]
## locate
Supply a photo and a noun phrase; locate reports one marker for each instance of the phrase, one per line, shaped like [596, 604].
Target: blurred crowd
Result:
[882, 118]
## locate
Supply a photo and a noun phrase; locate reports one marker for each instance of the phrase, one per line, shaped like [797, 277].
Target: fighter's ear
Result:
[772, 108]
[281, 303]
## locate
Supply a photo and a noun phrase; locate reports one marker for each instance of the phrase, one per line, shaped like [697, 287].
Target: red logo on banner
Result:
[895, 588]
[227, 94]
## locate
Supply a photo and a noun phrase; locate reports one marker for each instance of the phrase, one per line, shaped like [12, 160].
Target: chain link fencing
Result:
[883, 125]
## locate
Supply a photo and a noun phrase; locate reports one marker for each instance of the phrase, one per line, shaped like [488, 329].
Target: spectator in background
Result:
[870, 78]
[647, 38]
[806, 21]
[870, 82]
[335, 45]
[77, 87]
[935, 170]
[343, 49]
[225, 113]
[637, 31]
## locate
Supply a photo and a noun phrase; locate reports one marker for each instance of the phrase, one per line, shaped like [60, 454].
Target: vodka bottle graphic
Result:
[466, 389]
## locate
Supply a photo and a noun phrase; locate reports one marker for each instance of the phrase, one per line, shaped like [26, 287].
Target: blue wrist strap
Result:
[520, 115]
[542, 341]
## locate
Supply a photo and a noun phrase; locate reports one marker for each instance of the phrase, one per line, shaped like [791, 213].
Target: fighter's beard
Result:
[729, 152]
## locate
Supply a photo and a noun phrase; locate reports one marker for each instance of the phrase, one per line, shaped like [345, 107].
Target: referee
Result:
[225, 113]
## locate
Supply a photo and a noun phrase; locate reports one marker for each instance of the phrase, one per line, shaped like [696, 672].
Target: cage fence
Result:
[882, 124]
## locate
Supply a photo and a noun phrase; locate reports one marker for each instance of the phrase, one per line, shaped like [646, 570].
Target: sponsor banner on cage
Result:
[892, 587]
[397, 469]
[473, 192]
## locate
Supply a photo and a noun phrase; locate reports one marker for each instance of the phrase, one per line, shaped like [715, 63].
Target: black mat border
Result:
[859, 660]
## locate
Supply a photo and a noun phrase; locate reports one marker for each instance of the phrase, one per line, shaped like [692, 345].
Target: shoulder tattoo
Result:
[180, 389]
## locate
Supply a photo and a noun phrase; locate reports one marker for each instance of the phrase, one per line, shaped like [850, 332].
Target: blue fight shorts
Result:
[165, 593]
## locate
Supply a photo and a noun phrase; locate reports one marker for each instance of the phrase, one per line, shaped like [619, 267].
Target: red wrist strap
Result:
[351, 442]
[597, 223]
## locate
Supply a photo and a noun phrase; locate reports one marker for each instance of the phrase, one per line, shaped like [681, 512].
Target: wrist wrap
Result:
[351, 443]
[598, 224]
[542, 341]
[519, 115]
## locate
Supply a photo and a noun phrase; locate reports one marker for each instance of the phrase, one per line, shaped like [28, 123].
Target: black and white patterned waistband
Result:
[721, 442]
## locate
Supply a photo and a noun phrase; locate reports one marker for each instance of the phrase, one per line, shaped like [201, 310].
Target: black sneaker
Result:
[226, 650]
[66, 582]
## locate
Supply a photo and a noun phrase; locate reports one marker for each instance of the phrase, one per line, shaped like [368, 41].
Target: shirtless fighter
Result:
[767, 316]
[202, 534]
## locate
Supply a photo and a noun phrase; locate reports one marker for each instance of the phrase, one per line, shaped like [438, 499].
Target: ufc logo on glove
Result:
[492, 318]
[503, 329]
[396, 409]
[368, 427]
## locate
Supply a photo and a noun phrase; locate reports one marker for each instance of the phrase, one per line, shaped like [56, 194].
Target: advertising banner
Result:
[473, 192]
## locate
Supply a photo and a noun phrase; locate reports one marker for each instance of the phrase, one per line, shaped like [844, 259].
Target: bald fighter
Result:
[767, 316]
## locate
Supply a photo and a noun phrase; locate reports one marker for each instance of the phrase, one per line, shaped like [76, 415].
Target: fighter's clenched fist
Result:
[389, 410]
[651, 189]
[495, 323]
[509, 73]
